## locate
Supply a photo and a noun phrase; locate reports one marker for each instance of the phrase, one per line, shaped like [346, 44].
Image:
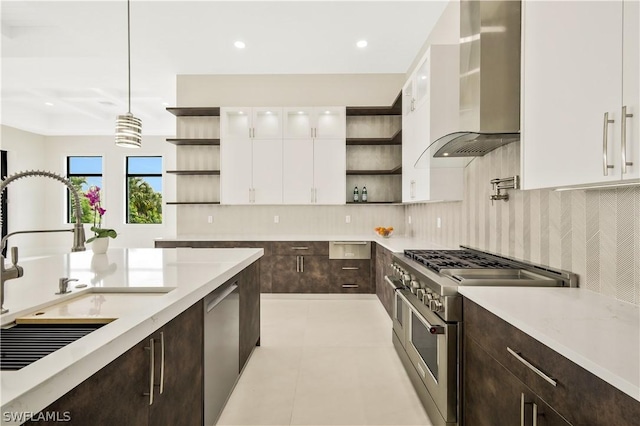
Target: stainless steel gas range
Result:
[427, 315]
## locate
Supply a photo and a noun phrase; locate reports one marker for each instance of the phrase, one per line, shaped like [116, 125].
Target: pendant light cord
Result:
[129, 48]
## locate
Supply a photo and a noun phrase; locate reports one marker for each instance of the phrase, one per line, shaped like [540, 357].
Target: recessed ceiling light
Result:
[240, 112]
[48, 104]
[300, 112]
[424, 77]
[446, 154]
[268, 112]
[327, 112]
[239, 44]
[362, 43]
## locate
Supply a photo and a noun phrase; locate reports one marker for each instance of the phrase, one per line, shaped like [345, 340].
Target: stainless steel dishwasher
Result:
[221, 348]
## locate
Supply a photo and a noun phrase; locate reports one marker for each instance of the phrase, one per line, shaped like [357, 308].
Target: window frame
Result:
[128, 175]
[70, 175]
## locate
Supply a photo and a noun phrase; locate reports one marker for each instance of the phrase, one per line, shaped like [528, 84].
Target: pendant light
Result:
[128, 127]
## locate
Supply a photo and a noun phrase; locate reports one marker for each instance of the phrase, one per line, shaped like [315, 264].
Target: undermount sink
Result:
[500, 277]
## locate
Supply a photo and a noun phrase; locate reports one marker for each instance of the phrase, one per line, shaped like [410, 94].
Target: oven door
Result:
[432, 347]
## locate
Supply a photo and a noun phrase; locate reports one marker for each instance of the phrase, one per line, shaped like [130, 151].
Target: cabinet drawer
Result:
[579, 396]
[302, 248]
[351, 276]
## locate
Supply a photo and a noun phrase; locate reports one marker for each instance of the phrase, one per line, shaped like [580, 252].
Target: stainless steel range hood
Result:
[489, 81]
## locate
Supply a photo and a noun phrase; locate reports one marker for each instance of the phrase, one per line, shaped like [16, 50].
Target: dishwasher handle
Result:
[220, 297]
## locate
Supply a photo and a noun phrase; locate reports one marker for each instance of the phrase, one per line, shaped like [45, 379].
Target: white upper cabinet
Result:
[580, 72]
[261, 123]
[314, 155]
[251, 156]
[314, 122]
[430, 110]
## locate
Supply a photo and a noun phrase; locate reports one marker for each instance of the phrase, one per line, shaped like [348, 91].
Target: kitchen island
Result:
[184, 276]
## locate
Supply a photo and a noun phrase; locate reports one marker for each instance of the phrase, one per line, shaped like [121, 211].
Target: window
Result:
[144, 189]
[83, 172]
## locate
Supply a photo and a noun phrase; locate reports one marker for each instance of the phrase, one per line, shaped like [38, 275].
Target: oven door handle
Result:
[393, 282]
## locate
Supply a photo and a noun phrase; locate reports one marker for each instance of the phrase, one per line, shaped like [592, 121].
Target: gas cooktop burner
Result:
[450, 259]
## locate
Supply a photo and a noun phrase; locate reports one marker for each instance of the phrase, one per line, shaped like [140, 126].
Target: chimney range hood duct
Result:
[489, 81]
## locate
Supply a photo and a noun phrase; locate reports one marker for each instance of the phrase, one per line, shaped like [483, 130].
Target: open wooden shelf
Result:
[393, 140]
[184, 203]
[194, 172]
[194, 141]
[394, 171]
[194, 111]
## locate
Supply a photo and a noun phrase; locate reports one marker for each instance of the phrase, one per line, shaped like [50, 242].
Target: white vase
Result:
[100, 245]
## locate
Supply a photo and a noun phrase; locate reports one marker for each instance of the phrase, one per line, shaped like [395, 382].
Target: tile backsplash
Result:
[593, 233]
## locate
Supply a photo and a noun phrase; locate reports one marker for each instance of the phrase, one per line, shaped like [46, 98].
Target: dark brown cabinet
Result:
[249, 285]
[350, 276]
[496, 375]
[300, 274]
[118, 394]
[383, 259]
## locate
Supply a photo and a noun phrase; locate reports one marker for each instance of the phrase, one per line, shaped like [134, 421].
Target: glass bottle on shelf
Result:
[364, 194]
[356, 195]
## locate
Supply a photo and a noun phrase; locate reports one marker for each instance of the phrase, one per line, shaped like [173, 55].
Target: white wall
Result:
[41, 202]
[288, 90]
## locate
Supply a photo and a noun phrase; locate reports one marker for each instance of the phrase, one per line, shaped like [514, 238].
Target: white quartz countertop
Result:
[395, 243]
[186, 275]
[597, 332]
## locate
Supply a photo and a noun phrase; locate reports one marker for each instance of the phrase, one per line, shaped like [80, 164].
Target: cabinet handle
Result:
[350, 268]
[301, 263]
[162, 359]
[297, 263]
[299, 248]
[535, 414]
[312, 195]
[315, 195]
[350, 243]
[623, 137]
[315, 132]
[350, 285]
[532, 367]
[522, 404]
[152, 368]
[605, 144]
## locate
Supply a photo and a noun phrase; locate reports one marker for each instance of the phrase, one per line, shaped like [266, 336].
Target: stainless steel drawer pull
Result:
[162, 359]
[623, 137]
[522, 404]
[535, 414]
[297, 263]
[301, 263]
[152, 368]
[350, 243]
[532, 367]
[350, 268]
[605, 145]
[299, 248]
[350, 286]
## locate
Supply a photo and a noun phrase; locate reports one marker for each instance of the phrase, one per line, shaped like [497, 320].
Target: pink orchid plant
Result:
[93, 195]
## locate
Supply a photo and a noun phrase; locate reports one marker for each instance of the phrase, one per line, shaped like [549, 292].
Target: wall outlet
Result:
[439, 223]
[347, 218]
[209, 219]
[409, 220]
[276, 219]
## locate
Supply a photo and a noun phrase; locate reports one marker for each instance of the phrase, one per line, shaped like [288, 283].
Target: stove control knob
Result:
[419, 293]
[406, 278]
[436, 305]
[414, 284]
[429, 295]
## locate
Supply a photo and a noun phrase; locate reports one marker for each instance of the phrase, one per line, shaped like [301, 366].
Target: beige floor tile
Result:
[324, 360]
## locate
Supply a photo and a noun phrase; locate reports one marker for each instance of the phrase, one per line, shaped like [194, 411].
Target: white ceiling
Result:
[73, 54]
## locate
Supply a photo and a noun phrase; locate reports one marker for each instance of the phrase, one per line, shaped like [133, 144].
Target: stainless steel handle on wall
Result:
[350, 268]
[152, 369]
[162, 360]
[350, 286]
[605, 144]
[532, 367]
[623, 138]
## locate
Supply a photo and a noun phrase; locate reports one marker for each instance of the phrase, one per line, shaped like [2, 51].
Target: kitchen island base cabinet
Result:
[249, 284]
[115, 395]
[496, 376]
[383, 259]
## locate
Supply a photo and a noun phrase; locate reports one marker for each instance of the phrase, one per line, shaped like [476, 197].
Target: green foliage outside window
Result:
[145, 205]
[79, 182]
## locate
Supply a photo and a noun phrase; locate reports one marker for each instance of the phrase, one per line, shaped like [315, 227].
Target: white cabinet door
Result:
[408, 150]
[298, 123]
[421, 140]
[267, 171]
[631, 87]
[329, 159]
[235, 171]
[235, 122]
[297, 175]
[267, 123]
[329, 123]
[572, 77]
